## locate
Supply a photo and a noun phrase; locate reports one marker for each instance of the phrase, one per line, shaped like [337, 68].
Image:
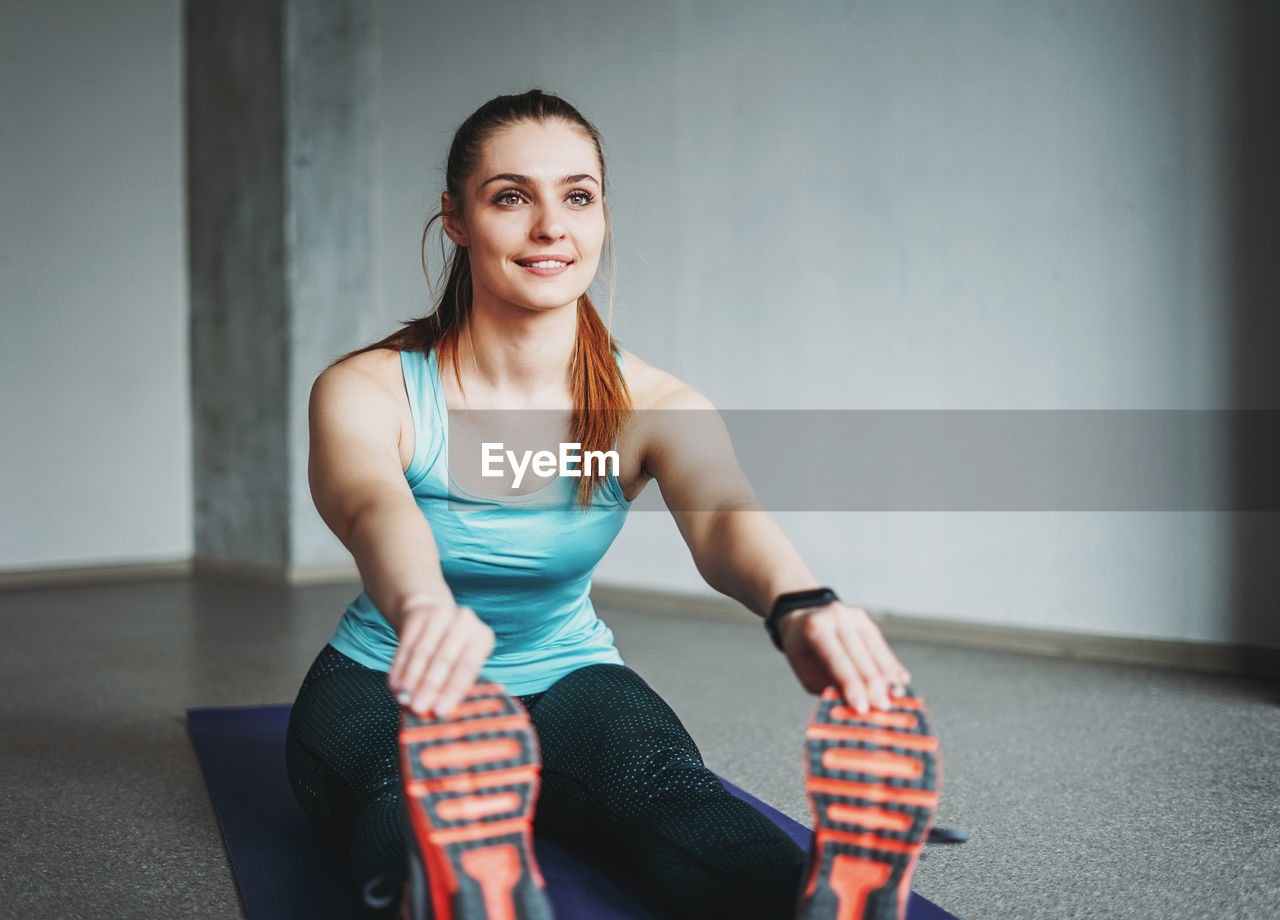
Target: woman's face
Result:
[532, 217]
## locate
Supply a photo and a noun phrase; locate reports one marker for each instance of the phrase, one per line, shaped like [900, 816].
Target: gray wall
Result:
[974, 205]
[94, 419]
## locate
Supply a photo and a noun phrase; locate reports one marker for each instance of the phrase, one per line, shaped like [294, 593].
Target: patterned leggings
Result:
[622, 783]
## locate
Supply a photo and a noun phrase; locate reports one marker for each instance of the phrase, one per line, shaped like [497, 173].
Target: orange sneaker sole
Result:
[873, 782]
[471, 782]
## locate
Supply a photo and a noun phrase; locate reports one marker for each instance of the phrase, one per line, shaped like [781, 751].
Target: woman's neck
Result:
[527, 353]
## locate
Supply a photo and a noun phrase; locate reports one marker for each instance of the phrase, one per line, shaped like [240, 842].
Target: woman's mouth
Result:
[545, 266]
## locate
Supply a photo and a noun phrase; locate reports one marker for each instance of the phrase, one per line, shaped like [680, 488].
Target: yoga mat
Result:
[288, 869]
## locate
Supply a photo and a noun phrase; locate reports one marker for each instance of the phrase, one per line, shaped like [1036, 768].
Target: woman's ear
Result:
[452, 220]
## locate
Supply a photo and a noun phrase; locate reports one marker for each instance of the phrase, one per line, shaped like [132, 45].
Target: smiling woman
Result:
[524, 205]
[404, 737]
[534, 235]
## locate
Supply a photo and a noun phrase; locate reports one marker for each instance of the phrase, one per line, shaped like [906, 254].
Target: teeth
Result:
[546, 264]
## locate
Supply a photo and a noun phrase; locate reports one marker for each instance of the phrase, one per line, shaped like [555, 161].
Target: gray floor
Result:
[1091, 790]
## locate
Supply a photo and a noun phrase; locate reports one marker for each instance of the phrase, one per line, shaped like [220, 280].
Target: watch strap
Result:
[795, 600]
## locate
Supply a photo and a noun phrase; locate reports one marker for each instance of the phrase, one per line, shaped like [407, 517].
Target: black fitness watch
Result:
[795, 600]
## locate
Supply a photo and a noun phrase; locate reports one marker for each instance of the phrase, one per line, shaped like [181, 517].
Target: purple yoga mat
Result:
[287, 869]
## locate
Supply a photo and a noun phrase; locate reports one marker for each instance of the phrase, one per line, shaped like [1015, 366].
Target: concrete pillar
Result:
[279, 147]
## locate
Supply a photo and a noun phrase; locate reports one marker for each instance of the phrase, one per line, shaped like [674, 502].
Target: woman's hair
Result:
[601, 400]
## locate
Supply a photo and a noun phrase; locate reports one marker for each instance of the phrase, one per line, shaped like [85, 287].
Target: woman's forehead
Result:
[542, 151]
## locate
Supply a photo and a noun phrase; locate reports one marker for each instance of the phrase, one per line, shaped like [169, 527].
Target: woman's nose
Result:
[547, 224]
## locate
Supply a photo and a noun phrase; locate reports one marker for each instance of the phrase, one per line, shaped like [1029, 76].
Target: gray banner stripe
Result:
[975, 460]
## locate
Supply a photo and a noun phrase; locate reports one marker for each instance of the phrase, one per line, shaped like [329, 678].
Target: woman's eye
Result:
[509, 197]
[581, 198]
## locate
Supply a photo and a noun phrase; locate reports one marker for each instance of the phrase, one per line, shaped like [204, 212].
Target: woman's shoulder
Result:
[376, 364]
[372, 375]
[654, 388]
[362, 398]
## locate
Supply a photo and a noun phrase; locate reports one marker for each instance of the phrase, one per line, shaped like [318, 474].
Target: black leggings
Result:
[622, 783]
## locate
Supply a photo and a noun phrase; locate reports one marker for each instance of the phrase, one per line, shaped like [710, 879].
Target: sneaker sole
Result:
[471, 782]
[873, 782]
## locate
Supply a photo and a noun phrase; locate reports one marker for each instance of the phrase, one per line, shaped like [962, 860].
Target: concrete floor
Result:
[1090, 790]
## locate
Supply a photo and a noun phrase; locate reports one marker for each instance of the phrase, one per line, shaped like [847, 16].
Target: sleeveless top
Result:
[523, 563]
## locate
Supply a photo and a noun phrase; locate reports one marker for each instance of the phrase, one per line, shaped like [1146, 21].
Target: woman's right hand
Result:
[442, 649]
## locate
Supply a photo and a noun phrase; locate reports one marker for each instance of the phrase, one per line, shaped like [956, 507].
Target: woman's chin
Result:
[545, 302]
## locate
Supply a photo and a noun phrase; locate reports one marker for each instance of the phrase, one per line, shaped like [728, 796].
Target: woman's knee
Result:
[341, 748]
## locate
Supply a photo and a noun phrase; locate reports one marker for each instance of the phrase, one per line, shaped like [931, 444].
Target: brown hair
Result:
[601, 400]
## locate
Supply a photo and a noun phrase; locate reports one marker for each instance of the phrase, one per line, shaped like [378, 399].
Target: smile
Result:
[546, 266]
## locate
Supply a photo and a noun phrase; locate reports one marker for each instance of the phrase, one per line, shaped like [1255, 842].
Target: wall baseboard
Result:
[288, 575]
[94, 574]
[1209, 657]
[186, 568]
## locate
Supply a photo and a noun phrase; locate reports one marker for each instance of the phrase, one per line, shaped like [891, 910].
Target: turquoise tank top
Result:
[523, 563]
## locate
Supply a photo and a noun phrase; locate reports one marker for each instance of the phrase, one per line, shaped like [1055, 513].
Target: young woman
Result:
[472, 582]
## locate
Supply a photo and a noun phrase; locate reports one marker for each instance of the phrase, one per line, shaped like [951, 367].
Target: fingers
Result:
[841, 645]
[463, 676]
[440, 656]
[893, 669]
[871, 683]
[419, 637]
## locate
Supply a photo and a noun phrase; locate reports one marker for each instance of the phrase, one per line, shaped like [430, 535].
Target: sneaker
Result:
[873, 782]
[471, 782]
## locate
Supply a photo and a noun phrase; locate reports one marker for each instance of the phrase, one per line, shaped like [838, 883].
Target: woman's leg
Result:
[622, 779]
[342, 757]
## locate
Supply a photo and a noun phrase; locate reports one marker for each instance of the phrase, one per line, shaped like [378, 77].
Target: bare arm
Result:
[738, 548]
[741, 552]
[361, 493]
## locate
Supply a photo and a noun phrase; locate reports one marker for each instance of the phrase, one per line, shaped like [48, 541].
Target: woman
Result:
[470, 581]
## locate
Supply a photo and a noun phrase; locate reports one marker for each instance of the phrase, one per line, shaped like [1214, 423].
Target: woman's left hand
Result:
[839, 644]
